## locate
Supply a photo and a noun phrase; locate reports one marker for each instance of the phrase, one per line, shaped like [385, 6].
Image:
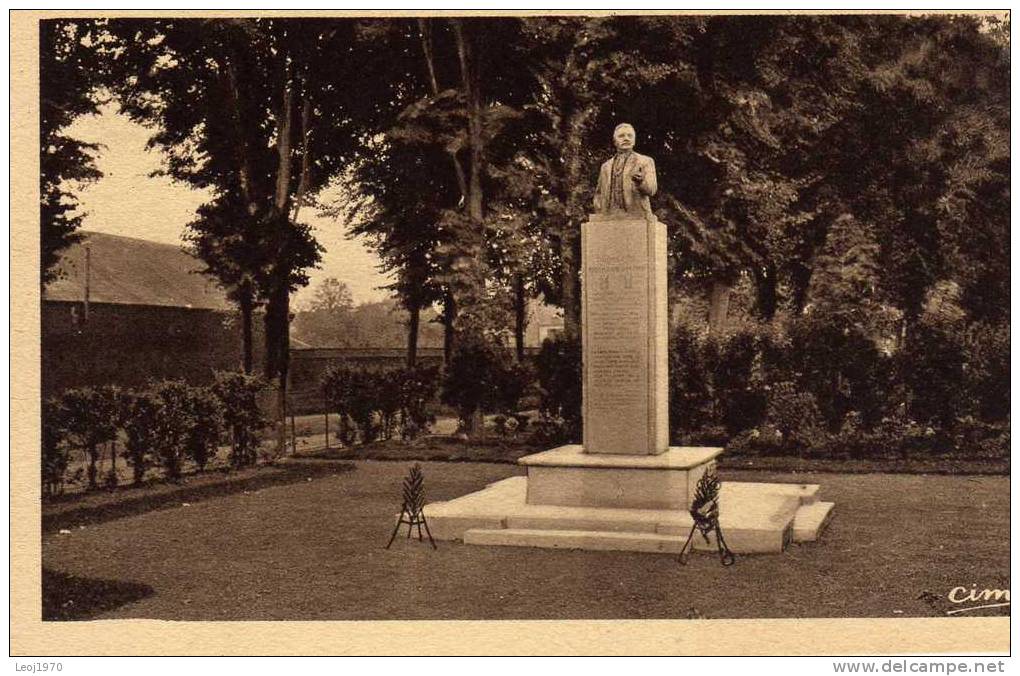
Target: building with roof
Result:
[125, 311]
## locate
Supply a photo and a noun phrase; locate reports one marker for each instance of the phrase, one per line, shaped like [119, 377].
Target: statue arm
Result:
[649, 183]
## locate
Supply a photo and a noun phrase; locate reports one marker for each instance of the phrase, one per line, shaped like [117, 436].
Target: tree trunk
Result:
[765, 283]
[306, 160]
[449, 317]
[272, 340]
[471, 79]
[800, 280]
[243, 157]
[413, 320]
[718, 307]
[426, 46]
[520, 315]
[278, 349]
[570, 282]
[93, 471]
[470, 289]
[284, 129]
[246, 304]
[575, 212]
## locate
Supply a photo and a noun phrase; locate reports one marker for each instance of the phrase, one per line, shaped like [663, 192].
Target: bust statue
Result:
[627, 180]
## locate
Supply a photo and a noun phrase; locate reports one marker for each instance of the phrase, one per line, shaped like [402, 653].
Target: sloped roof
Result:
[133, 271]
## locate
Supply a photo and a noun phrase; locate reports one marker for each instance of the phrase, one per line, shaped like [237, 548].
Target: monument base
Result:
[573, 500]
[567, 476]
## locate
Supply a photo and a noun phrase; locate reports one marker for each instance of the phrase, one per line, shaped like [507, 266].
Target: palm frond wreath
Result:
[705, 513]
[412, 511]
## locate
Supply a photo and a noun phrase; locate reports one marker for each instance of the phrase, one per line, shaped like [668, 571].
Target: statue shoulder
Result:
[644, 159]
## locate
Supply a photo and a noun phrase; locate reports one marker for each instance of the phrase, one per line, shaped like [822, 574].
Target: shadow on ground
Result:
[66, 597]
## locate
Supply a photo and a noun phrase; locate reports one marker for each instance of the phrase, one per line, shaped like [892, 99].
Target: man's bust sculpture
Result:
[627, 180]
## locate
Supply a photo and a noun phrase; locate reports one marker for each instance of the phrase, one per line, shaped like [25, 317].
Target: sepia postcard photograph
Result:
[597, 333]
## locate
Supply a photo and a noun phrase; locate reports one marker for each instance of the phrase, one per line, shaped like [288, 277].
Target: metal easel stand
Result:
[412, 520]
[412, 511]
[707, 527]
[705, 512]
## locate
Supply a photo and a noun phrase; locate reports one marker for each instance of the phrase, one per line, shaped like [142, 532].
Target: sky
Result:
[128, 201]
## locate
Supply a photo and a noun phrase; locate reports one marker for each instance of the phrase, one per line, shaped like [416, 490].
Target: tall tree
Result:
[332, 295]
[421, 187]
[223, 237]
[263, 110]
[68, 79]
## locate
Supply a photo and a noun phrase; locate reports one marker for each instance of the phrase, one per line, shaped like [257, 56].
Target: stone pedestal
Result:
[568, 476]
[624, 336]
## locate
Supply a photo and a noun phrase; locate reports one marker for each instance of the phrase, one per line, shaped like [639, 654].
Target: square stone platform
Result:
[574, 500]
[567, 476]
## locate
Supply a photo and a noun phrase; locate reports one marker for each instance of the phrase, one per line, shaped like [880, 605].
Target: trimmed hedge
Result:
[166, 424]
[376, 403]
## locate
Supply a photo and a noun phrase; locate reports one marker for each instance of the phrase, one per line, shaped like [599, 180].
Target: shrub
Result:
[357, 394]
[840, 365]
[54, 450]
[690, 400]
[994, 447]
[559, 379]
[468, 382]
[141, 414]
[338, 386]
[482, 376]
[760, 441]
[902, 435]
[417, 387]
[387, 390]
[174, 422]
[795, 416]
[552, 431]
[203, 438]
[711, 435]
[376, 402]
[932, 366]
[90, 418]
[739, 397]
[238, 395]
[513, 381]
[973, 437]
[987, 376]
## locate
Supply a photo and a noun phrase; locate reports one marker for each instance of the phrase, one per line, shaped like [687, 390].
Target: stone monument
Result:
[624, 313]
[624, 487]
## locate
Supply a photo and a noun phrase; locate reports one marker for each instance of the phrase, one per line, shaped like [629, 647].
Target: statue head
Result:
[624, 136]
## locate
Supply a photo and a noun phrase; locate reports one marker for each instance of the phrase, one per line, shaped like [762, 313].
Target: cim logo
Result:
[977, 599]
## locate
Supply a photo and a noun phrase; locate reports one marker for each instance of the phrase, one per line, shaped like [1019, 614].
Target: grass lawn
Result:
[313, 550]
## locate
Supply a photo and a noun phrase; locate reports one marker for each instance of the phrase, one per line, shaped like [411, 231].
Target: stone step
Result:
[575, 539]
[755, 518]
[811, 520]
[805, 494]
[740, 541]
[596, 520]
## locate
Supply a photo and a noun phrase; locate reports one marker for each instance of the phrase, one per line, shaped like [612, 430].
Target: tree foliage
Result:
[68, 79]
[850, 170]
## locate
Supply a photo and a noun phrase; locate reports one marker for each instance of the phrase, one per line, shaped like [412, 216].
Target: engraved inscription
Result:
[616, 317]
